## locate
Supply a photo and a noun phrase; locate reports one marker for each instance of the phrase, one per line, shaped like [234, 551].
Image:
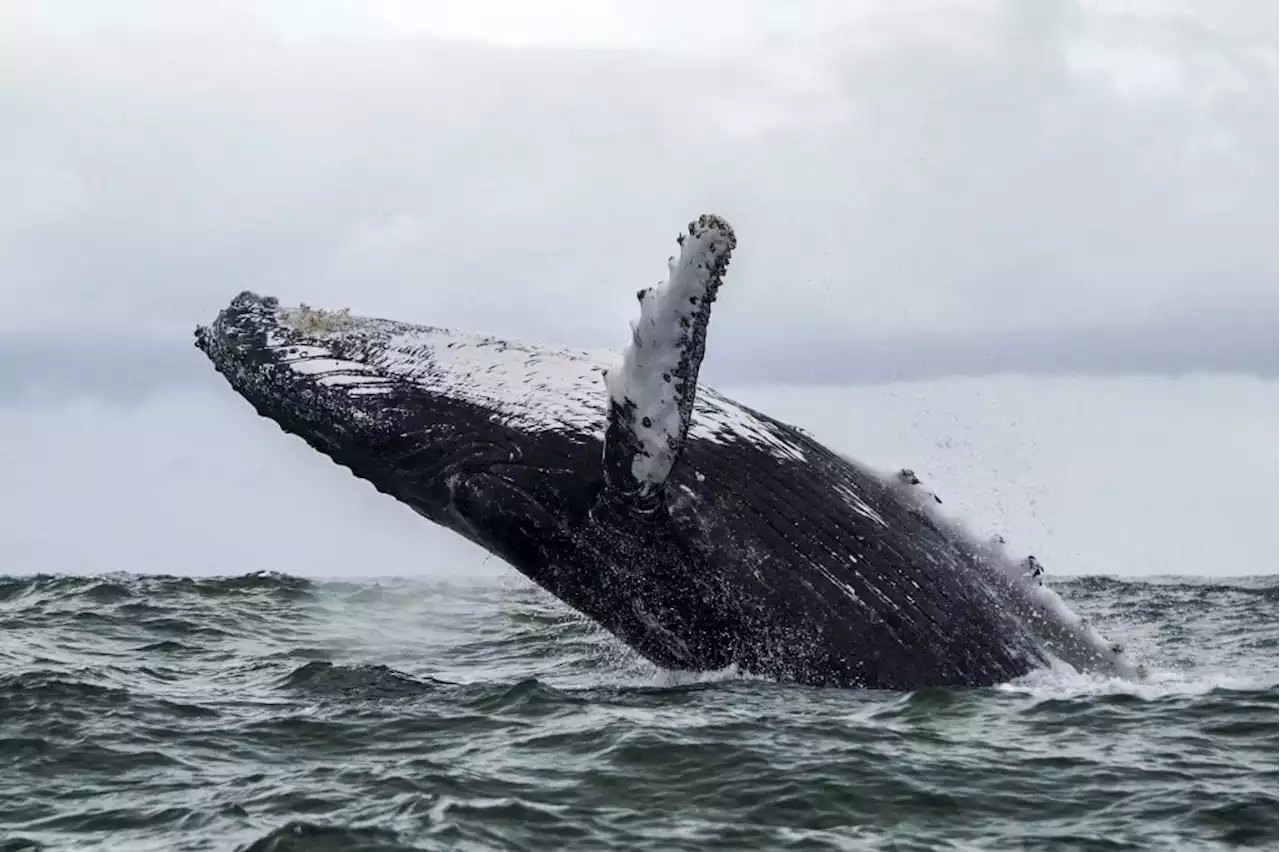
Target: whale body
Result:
[700, 532]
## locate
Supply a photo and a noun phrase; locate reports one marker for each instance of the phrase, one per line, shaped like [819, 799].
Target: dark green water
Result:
[269, 713]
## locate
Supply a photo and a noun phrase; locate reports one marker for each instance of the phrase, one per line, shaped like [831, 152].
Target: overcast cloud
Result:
[918, 188]
[1129, 476]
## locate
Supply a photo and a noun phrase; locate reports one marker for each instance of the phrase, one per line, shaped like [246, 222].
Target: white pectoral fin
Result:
[651, 395]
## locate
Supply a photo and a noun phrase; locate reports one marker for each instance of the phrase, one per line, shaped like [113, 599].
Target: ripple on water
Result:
[264, 712]
[323, 678]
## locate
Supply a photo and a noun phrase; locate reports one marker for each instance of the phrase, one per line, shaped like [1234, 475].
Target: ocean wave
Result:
[527, 698]
[265, 712]
[1052, 683]
[1263, 585]
[113, 588]
[323, 678]
[302, 836]
[40, 685]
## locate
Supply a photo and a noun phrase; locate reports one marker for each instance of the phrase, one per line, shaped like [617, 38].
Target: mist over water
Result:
[1117, 476]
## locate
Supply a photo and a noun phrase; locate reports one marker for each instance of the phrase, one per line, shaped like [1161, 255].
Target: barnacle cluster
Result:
[311, 321]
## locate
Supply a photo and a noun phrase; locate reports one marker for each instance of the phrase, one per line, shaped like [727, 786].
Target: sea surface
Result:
[271, 712]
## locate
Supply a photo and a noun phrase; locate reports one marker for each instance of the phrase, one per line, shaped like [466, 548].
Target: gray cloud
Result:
[1199, 344]
[981, 189]
[35, 369]
[52, 368]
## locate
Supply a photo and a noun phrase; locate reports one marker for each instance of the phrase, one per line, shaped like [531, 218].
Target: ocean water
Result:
[271, 712]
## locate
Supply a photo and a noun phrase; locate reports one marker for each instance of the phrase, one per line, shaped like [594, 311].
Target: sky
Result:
[923, 192]
[1128, 476]
[919, 189]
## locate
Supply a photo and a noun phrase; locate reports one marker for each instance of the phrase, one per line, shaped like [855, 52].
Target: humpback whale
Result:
[700, 532]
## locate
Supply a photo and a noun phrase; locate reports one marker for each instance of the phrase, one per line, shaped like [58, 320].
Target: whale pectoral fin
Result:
[651, 394]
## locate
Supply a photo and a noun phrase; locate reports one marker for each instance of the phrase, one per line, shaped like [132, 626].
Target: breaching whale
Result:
[700, 532]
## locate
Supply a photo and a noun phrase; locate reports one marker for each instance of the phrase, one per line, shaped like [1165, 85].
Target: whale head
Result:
[424, 414]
